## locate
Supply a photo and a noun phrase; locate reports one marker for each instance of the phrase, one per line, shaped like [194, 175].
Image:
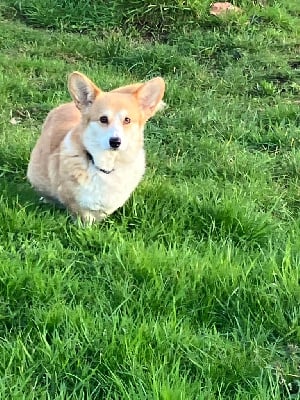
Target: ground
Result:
[191, 290]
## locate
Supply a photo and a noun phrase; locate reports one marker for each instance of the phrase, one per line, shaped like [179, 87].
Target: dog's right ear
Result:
[149, 96]
[82, 90]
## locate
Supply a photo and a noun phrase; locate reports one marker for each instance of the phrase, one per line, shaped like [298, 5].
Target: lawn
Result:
[191, 290]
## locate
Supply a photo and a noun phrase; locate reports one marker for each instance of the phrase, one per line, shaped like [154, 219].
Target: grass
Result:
[191, 290]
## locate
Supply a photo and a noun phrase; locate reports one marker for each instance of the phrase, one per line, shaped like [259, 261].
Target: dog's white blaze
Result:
[96, 137]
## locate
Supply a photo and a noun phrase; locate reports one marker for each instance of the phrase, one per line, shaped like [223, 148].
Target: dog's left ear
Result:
[82, 89]
[150, 96]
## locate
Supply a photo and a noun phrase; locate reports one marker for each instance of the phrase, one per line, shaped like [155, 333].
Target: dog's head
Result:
[114, 121]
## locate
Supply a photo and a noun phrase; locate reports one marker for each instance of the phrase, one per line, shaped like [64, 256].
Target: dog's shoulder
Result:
[59, 122]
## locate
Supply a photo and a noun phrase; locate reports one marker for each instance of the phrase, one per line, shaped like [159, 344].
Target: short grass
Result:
[191, 290]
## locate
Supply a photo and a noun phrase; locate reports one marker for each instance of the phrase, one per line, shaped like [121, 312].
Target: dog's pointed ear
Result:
[82, 90]
[150, 96]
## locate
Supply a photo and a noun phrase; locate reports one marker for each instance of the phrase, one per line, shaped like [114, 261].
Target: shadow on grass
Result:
[19, 194]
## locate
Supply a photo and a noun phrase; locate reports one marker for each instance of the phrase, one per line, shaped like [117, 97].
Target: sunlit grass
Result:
[191, 290]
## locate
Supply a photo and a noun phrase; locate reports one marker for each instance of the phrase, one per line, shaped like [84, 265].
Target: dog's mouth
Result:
[105, 171]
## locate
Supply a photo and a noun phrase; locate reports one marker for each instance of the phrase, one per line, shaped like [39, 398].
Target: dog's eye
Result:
[127, 120]
[104, 119]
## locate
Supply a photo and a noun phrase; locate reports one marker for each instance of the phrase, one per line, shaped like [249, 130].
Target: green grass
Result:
[191, 290]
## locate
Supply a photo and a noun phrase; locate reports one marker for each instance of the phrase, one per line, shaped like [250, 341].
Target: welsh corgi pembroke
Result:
[90, 155]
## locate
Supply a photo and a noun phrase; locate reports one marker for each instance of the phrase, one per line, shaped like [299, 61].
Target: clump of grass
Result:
[153, 18]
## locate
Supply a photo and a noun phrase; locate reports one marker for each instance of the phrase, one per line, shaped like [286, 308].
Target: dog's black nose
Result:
[114, 142]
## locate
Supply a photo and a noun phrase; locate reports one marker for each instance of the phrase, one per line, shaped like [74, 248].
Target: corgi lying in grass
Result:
[90, 155]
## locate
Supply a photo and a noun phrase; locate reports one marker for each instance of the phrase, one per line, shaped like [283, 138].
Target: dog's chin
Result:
[105, 161]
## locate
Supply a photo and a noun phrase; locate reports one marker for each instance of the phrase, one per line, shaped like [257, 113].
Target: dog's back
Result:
[58, 123]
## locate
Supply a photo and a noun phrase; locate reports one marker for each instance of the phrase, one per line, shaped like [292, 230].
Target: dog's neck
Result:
[90, 157]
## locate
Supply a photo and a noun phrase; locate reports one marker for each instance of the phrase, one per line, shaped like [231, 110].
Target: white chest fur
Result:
[106, 192]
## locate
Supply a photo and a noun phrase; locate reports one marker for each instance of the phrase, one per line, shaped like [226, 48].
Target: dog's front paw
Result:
[80, 176]
[88, 217]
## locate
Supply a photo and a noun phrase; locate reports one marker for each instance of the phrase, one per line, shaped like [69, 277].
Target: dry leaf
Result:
[15, 121]
[222, 8]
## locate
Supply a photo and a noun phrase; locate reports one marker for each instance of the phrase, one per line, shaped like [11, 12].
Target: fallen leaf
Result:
[223, 8]
[15, 121]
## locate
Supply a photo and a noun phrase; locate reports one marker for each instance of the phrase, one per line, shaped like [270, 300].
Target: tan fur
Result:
[60, 167]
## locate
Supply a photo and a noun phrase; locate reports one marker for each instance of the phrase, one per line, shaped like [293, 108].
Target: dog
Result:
[90, 156]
